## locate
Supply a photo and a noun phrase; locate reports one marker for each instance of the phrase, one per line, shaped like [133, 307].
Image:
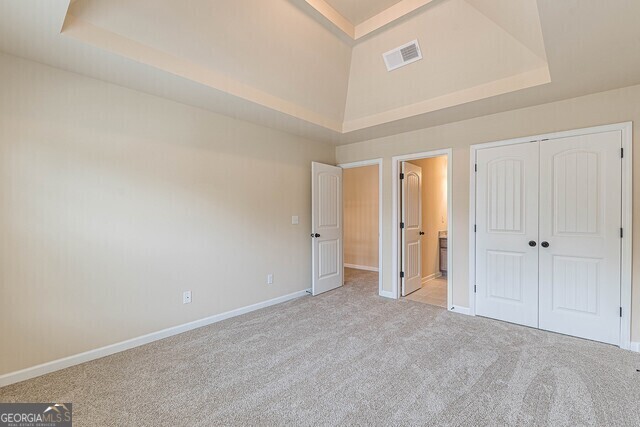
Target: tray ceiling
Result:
[359, 18]
[358, 11]
[248, 53]
[284, 65]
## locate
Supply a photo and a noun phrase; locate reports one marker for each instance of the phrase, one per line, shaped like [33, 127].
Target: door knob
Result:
[532, 243]
[545, 244]
[315, 235]
[422, 233]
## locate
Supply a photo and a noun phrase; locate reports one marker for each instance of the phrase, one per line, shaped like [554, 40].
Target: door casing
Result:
[626, 130]
[373, 162]
[396, 240]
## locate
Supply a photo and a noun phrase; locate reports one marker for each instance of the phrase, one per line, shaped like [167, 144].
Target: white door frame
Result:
[372, 162]
[626, 130]
[395, 221]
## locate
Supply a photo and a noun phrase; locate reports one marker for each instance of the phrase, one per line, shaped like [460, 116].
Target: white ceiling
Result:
[358, 11]
[255, 68]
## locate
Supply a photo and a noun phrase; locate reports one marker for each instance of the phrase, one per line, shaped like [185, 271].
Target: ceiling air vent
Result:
[403, 55]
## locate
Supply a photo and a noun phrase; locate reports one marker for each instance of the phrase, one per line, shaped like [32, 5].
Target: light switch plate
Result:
[295, 220]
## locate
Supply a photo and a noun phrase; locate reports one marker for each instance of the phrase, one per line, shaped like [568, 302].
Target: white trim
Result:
[400, 9]
[76, 359]
[635, 346]
[627, 240]
[395, 215]
[460, 310]
[472, 230]
[431, 277]
[372, 162]
[361, 267]
[387, 294]
[626, 129]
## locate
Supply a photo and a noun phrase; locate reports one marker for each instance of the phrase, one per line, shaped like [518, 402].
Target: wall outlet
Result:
[295, 220]
[186, 297]
[270, 279]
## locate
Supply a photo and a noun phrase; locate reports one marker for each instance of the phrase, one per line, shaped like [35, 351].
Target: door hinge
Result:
[622, 153]
[476, 167]
[475, 228]
[401, 176]
[620, 311]
[475, 289]
[402, 225]
[621, 233]
[402, 274]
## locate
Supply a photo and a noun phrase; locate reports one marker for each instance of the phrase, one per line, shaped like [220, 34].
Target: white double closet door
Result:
[548, 236]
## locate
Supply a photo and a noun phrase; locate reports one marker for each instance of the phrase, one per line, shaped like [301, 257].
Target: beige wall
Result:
[113, 202]
[434, 211]
[360, 200]
[597, 109]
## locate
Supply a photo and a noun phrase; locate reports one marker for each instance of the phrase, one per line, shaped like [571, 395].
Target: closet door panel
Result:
[507, 233]
[580, 219]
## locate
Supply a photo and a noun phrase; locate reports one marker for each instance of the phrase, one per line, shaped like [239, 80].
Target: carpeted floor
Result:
[351, 357]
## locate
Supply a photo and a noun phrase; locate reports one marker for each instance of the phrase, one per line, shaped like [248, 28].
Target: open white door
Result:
[326, 234]
[411, 228]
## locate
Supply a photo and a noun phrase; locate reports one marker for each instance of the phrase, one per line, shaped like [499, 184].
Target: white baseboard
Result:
[461, 310]
[361, 267]
[56, 365]
[635, 346]
[431, 277]
[387, 294]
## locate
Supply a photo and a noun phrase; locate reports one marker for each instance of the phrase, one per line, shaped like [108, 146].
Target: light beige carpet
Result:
[349, 357]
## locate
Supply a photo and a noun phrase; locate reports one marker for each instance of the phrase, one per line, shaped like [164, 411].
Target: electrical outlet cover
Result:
[186, 297]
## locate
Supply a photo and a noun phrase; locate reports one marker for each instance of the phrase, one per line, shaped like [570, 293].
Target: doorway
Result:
[425, 193]
[362, 217]
[327, 222]
[422, 231]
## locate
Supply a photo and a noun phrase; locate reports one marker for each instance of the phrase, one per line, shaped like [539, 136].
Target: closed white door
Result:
[507, 233]
[326, 234]
[580, 220]
[411, 228]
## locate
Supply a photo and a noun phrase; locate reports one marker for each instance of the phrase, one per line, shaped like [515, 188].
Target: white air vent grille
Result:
[403, 55]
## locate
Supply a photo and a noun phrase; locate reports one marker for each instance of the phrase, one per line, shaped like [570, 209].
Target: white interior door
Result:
[326, 234]
[507, 233]
[580, 220]
[411, 228]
